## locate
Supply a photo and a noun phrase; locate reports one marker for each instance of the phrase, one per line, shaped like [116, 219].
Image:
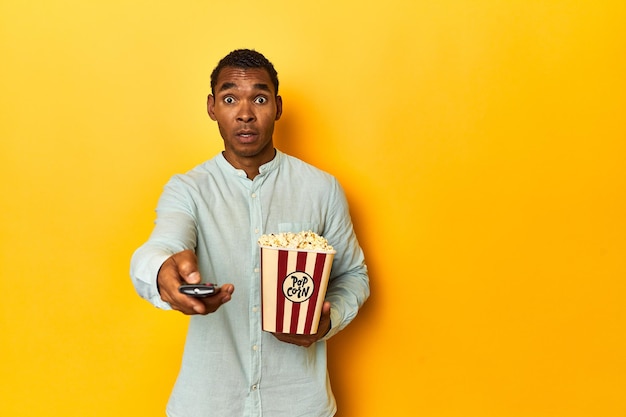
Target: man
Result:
[207, 227]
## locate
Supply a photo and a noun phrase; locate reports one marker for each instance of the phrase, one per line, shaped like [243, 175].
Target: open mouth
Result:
[246, 135]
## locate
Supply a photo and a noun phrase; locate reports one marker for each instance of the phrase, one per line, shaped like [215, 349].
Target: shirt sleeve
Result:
[175, 230]
[348, 287]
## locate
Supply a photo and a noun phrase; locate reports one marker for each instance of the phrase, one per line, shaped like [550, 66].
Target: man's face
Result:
[245, 107]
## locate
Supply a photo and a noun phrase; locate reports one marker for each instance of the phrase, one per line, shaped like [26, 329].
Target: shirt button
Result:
[255, 309]
[256, 269]
[256, 231]
[255, 348]
[253, 195]
[254, 387]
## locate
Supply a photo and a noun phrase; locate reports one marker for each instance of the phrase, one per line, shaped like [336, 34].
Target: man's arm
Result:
[167, 259]
[348, 287]
[174, 232]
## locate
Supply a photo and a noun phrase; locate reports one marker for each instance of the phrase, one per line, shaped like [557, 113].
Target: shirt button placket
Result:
[255, 323]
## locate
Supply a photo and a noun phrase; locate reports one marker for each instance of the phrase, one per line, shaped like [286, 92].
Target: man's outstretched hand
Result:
[182, 268]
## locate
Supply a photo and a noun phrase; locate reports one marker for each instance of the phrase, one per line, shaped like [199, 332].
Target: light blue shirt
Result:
[230, 366]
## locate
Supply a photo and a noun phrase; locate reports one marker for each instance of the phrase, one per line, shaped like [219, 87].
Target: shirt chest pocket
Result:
[298, 227]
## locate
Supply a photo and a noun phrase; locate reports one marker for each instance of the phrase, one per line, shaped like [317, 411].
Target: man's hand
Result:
[182, 268]
[307, 340]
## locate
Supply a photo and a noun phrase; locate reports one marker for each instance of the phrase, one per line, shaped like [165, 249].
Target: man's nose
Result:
[245, 114]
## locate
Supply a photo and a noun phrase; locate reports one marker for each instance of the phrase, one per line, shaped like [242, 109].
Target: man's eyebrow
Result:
[258, 86]
[263, 86]
[227, 86]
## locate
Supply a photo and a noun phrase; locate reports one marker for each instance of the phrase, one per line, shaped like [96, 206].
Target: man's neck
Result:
[249, 165]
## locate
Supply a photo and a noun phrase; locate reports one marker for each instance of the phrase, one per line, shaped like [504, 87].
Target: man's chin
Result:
[253, 156]
[252, 150]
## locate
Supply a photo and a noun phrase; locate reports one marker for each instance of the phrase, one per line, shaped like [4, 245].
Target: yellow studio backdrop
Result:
[482, 145]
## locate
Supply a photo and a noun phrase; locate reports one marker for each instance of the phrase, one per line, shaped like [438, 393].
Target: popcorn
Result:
[295, 271]
[306, 240]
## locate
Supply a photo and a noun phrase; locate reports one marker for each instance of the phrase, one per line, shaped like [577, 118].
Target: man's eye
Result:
[260, 100]
[229, 100]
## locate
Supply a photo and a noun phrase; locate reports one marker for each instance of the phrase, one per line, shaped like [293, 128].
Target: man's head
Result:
[245, 59]
[245, 104]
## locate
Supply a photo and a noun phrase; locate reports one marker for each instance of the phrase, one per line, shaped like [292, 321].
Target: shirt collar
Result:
[271, 165]
[263, 169]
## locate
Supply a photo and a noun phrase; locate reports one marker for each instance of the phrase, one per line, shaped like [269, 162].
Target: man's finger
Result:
[187, 264]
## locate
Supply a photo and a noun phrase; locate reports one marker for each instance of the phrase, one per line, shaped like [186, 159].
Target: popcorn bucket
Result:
[293, 287]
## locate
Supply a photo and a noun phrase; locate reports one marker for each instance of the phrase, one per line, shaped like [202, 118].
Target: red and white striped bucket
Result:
[293, 287]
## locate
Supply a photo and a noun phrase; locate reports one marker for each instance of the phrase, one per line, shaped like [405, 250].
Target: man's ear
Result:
[279, 107]
[210, 106]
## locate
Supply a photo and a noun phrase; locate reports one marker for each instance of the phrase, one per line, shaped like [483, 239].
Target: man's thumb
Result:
[188, 267]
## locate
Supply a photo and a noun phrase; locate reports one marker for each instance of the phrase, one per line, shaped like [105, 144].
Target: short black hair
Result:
[245, 58]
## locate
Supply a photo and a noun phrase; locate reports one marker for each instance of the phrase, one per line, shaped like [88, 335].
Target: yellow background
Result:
[482, 145]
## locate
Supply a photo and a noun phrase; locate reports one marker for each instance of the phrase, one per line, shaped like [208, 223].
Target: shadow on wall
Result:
[303, 131]
[292, 133]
